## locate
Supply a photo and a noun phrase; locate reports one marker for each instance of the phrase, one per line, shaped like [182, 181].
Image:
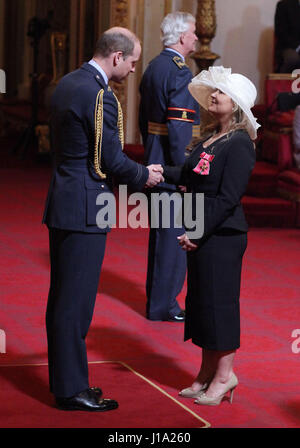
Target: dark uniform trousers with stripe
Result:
[83, 170]
[168, 119]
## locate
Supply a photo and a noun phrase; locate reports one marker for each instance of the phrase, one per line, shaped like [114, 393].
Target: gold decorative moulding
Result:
[120, 17]
[58, 51]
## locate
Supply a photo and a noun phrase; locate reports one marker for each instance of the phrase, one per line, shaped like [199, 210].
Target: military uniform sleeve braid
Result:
[99, 130]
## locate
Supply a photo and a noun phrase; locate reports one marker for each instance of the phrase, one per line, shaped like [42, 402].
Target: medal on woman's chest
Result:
[203, 166]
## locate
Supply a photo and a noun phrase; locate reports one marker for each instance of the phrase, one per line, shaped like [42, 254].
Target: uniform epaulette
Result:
[179, 62]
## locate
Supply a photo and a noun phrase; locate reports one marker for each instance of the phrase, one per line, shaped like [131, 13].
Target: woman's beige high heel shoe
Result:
[214, 401]
[192, 393]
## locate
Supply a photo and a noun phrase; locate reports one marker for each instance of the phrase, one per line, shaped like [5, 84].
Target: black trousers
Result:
[212, 302]
[76, 260]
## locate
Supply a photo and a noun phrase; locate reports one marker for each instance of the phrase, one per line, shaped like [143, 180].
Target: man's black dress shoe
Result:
[87, 400]
[97, 390]
[180, 317]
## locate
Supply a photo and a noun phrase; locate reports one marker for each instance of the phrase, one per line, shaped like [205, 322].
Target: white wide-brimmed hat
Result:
[240, 89]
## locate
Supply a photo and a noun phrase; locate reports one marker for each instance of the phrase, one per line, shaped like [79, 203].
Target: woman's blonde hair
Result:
[239, 121]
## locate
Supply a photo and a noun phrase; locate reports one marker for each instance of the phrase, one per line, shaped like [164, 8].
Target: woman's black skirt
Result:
[212, 302]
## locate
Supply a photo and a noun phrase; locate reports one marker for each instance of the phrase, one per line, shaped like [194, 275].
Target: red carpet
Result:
[268, 395]
[136, 401]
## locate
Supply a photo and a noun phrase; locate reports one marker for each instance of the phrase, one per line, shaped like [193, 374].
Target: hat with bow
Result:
[239, 88]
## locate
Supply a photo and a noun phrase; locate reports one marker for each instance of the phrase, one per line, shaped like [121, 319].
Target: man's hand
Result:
[155, 175]
[185, 243]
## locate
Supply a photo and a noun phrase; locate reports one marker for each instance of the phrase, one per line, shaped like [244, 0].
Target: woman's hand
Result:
[185, 243]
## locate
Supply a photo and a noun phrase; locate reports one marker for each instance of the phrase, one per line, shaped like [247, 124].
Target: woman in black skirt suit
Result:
[220, 167]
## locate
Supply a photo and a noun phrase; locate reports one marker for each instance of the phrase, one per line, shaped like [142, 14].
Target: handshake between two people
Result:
[155, 175]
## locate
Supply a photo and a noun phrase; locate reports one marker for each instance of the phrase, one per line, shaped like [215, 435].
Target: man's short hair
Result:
[111, 42]
[173, 25]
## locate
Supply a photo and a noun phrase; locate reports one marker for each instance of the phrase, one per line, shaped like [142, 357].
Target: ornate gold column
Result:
[25, 86]
[120, 17]
[2, 16]
[58, 52]
[81, 30]
[58, 55]
[205, 30]
[136, 24]
[73, 36]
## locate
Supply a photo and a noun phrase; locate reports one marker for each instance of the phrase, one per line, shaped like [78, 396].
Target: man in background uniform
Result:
[168, 116]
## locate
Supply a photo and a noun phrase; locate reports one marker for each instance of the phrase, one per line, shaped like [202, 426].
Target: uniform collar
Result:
[175, 51]
[100, 69]
[90, 68]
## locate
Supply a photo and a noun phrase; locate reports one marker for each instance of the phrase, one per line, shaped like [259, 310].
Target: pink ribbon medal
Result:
[203, 166]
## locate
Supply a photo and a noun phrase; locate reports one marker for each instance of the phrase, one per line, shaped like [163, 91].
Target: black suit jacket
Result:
[75, 185]
[225, 184]
[287, 25]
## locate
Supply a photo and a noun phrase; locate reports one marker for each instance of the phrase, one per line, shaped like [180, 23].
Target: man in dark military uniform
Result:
[87, 139]
[168, 118]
